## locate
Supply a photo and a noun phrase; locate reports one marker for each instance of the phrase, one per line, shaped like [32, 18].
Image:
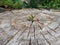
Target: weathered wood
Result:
[16, 29]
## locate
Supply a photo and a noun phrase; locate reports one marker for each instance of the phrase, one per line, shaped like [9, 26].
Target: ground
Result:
[16, 29]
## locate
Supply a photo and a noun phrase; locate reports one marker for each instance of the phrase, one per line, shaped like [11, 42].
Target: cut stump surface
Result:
[16, 29]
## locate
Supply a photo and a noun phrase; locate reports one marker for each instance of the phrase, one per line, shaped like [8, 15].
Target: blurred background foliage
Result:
[17, 4]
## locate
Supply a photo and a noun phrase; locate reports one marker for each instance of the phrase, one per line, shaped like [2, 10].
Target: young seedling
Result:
[31, 17]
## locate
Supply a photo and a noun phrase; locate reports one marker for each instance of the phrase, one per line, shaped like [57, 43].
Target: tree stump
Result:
[17, 29]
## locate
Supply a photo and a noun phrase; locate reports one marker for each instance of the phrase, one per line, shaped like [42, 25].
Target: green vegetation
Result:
[49, 4]
[12, 3]
[16, 4]
[31, 17]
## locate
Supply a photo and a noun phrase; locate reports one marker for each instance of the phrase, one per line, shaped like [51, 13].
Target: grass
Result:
[17, 4]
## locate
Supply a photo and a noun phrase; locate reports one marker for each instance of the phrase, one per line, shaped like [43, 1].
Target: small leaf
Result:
[31, 17]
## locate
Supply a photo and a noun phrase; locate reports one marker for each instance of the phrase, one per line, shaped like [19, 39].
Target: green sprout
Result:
[31, 17]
